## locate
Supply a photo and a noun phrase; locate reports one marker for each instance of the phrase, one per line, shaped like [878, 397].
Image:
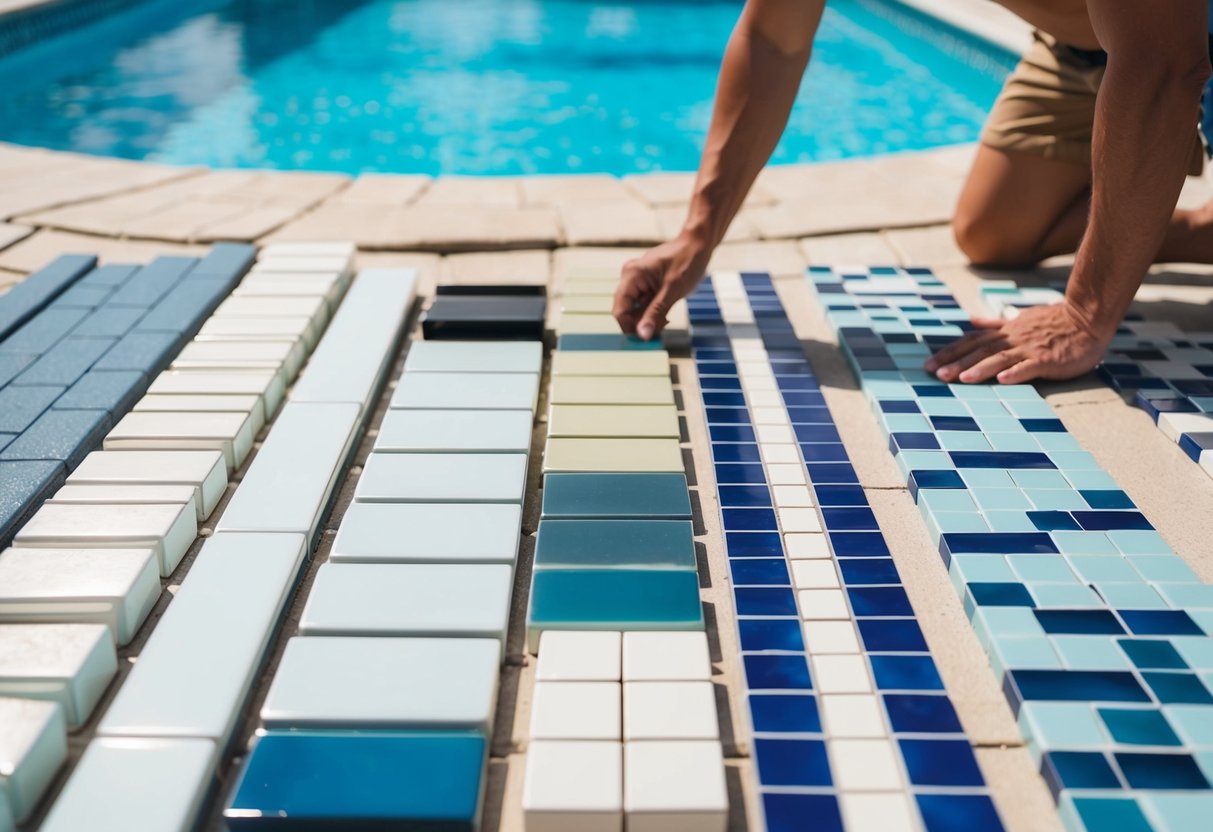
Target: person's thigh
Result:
[1018, 208]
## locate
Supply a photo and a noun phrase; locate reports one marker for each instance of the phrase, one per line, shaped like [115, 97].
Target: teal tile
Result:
[963, 440]
[1191, 722]
[1062, 725]
[1095, 480]
[987, 478]
[946, 499]
[1013, 442]
[1091, 653]
[1056, 499]
[615, 544]
[1138, 726]
[1188, 595]
[1130, 596]
[1010, 521]
[1023, 654]
[613, 599]
[1104, 568]
[1182, 812]
[1083, 543]
[1163, 568]
[1032, 479]
[1001, 499]
[1063, 596]
[616, 496]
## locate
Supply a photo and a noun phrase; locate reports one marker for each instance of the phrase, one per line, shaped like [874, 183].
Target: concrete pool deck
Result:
[885, 210]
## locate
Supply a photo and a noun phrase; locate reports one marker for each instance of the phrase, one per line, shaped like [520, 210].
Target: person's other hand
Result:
[654, 282]
[1051, 342]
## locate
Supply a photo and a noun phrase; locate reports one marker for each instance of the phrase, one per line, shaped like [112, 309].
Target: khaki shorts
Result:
[1047, 107]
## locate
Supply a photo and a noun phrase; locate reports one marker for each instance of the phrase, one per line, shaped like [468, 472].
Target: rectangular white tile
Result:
[199, 664]
[33, 747]
[286, 307]
[203, 471]
[301, 260]
[253, 406]
[573, 785]
[800, 546]
[288, 485]
[433, 478]
[474, 357]
[229, 433]
[428, 533]
[168, 529]
[126, 495]
[260, 329]
[879, 812]
[467, 391]
[455, 431]
[580, 656]
[814, 574]
[114, 587]
[666, 657]
[268, 386]
[287, 356]
[841, 674]
[823, 604]
[674, 785]
[576, 711]
[669, 711]
[71, 664]
[328, 285]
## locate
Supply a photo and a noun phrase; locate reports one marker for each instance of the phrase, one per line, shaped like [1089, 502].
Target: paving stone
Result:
[605, 455]
[606, 390]
[60, 435]
[456, 431]
[140, 351]
[466, 391]
[112, 390]
[202, 471]
[34, 251]
[618, 222]
[20, 406]
[437, 478]
[42, 332]
[195, 672]
[64, 363]
[384, 189]
[83, 296]
[438, 533]
[530, 268]
[453, 228]
[474, 357]
[181, 310]
[29, 297]
[845, 249]
[11, 364]
[152, 282]
[401, 683]
[110, 276]
[70, 664]
[657, 421]
[230, 433]
[472, 190]
[33, 746]
[117, 588]
[616, 496]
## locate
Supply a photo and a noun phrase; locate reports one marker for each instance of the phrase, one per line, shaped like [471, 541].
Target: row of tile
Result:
[399, 644]
[847, 710]
[73, 361]
[585, 303]
[1097, 629]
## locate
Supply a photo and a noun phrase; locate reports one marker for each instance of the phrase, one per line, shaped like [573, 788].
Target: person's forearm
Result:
[759, 79]
[1144, 128]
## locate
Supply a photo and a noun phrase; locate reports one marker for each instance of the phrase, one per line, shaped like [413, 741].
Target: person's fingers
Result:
[989, 367]
[958, 349]
[988, 323]
[980, 352]
[631, 297]
[1020, 373]
[654, 319]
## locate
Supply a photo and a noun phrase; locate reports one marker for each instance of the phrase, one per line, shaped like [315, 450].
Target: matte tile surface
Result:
[467, 391]
[437, 533]
[609, 455]
[657, 421]
[430, 478]
[455, 431]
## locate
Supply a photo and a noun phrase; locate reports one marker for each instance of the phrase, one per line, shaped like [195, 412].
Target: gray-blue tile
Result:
[66, 362]
[181, 310]
[142, 351]
[152, 282]
[23, 487]
[27, 298]
[64, 435]
[43, 332]
[112, 390]
[111, 275]
[109, 322]
[20, 406]
[11, 366]
[83, 296]
[225, 260]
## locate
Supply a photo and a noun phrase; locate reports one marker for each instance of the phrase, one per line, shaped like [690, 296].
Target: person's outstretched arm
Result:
[759, 77]
[1145, 121]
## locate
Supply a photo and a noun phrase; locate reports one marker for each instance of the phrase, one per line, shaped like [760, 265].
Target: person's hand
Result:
[655, 281]
[1053, 342]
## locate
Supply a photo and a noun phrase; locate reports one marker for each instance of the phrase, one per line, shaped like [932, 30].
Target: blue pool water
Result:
[473, 86]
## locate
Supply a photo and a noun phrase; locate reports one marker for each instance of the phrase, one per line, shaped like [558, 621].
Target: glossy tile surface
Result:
[70, 664]
[474, 357]
[467, 391]
[616, 496]
[203, 471]
[625, 544]
[33, 746]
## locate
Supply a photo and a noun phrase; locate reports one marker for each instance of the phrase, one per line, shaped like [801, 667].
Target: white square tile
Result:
[852, 716]
[439, 478]
[831, 637]
[71, 664]
[666, 657]
[786, 474]
[204, 471]
[798, 520]
[774, 433]
[33, 745]
[755, 369]
[766, 398]
[806, 546]
[865, 765]
[775, 453]
[793, 496]
[573, 786]
[878, 812]
[841, 674]
[770, 416]
[669, 711]
[759, 385]
[814, 574]
[819, 604]
[576, 711]
[675, 786]
[576, 656]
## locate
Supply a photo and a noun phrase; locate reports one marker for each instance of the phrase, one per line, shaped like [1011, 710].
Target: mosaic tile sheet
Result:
[1097, 629]
[852, 727]
[1167, 372]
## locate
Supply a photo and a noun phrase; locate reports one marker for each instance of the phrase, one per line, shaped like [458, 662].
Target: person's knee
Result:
[985, 241]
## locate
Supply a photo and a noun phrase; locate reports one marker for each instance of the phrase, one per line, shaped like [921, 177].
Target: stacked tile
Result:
[850, 721]
[623, 721]
[495, 312]
[586, 300]
[1098, 630]
[158, 744]
[79, 345]
[1169, 373]
[384, 701]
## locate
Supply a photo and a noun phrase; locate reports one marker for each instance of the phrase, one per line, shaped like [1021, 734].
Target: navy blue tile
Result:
[1074, 686]
[753, 545]
[919, 480]
[1079, 622]
[891, 635]
[65, 362]
[913, 713]
[958, 813]
[1138, 727]
[860, 571]
[704, 355]
[832, 473]
[799, 384]
[905, 673]
[997, 543]
[732, 473]
[1077, 770]
[1192, 444]
[1107, 499]
[727, 416]
[777, 672]
[716, 368]
[899, 406]
[807, 399]
[940, 763]
[717, 399]
[758, 634]
[720, 383]
[840, 495]
[42, 332]
[824, 452]
[792, 762]
[1043, 425]
[801, 812]
[1000, 594]
[1013, 460]
[1102, 521]
[152, 282]
[20, 406]
[764, 601]
[63, 435]
[1178, 688]
[142, 351]
[880, 601]
[1160, 771]
[784, 713]
[1151, 654]
[731, 433]
[735, 452]
[749, 520]
[849, 519]
[933, 391]
[1160, 623]
[962, 423]
[759, 571]
[115, 391]
[22, 302]
[903, 441]
[808, 414]
[743, 496]
[1053, 521]
[23, 487]
[816, 433]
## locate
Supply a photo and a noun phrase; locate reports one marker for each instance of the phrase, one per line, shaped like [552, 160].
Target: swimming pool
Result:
[473, 86]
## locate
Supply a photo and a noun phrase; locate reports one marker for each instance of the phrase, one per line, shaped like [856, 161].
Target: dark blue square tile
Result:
[899, 406]
[720, 383]
[743, 496]
[1011, 460]
[753, 545]
[735, 452]
[1079, 622]
[999, 594]
[880, 601]
[1043, 425]
[758, 634]
[792, 762]
[1160, 771]
[808, 400]
[933, 391]
[859, 544]
[940, 763]
[801, 812]
[905, 673]
[934, 479]
[723, 399]
[749, 520]
[1053, 521]
[1160, 623]
[765, 672]
[890, 635]
[733, 473]
[784, 713]
[1152, 654]
[824, 452]
[899, 442]
[716, 368]
[832, 473]
[731, 433]
[868, 571]
[727, 416]
[911, 713]
[997, 543]
[759, 571]
[963, 423]
[816, 433]
[840, 495]
[1102, 521]
[1107, 499]
[958, 813]
[1073, 686]
[849, 519]
[764, 601]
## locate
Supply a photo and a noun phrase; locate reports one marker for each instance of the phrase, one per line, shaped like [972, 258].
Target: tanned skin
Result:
[1119, 223]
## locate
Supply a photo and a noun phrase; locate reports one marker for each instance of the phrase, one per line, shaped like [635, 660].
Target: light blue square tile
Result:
[987, 407]
[1091, 652]
[1136, 596]
[942, 407]
[1031, 410]
[986, 478]
[1064, 596]
[1057, 441]
[1043, 568]
[926, 460]
[1182, 812]
[1000, 424]
[946, 499]
[1010, 621]
[1084, 543]
[1163, 568]
[906, 423]
[1017, 392]
[1013, 442]
[1063, 725]
[1197, 651]
[1056, 499]
[1091, 480]
[1010, 521]
[1023, 654]
[1104, 568]
[1000, 499]
[882, 390]
[974, 392]
[1197, 596]
[982, 568]
[963, 440]
[1192, 722]
[949, 522]
[1204, 620]
[1074, 460]
[1034, 478]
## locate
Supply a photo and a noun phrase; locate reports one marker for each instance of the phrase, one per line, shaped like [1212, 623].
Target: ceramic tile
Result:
[616, 496]
[29, 297]
[674, 784]
[260, 329]
[70, 664]
[608, 390]
[117, 587]
[466, 391]
[576, 711]
[666, 657]
[438, 533]
[202, 471]
[33, 746]
[430, 478]
[196, 670]
[268, 386]
[612, 455]
[637, 421]
[230, 433]
[250, 405]
[126, 495]
[584, 656]
[624, 544]
[474, 357]
[588, 363]
[167, 529]
[573, 785]
[492, 317]
[669, 711]
[286, 356]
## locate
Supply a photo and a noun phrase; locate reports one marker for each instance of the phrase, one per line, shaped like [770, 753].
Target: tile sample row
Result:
[73, 360]
[403, 632]
[850, 720]
[583, 312]
[1097, 629]
[467, 312]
